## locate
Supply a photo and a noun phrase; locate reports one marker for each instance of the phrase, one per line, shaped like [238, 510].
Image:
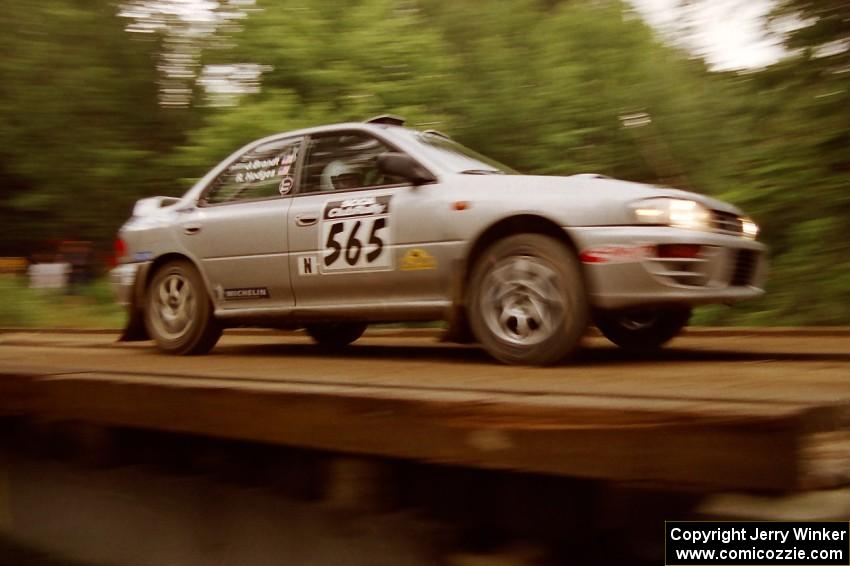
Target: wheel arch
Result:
[145, 280]
[526, 223]
[517, 224]
[166, 258]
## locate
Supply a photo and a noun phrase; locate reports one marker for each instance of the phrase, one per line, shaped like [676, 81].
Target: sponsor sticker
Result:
[287, 160]
[357, 207]
[246, 293]
[417, 259]
[285, 185]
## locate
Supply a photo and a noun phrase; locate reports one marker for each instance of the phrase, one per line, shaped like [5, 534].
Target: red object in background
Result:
[120, 251]
[679, 251]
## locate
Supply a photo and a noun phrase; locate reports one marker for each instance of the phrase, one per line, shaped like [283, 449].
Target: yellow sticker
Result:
[417, 258]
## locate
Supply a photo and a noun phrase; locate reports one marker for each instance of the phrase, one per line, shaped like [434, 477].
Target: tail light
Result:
[120, 249]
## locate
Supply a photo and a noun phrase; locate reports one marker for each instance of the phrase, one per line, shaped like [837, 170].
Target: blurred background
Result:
[105, 103]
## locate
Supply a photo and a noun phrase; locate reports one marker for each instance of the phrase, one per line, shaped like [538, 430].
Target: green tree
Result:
[79, 122]
[793, 161]
[326, 62]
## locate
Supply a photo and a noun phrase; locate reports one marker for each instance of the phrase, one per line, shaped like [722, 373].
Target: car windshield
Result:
[458, 158]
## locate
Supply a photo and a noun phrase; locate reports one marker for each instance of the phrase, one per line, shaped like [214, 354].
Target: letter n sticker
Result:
[307, 265]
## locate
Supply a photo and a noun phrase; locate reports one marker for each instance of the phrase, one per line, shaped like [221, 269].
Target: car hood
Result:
[588, 190]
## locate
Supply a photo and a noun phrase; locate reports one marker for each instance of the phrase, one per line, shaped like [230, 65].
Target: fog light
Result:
[679, 251]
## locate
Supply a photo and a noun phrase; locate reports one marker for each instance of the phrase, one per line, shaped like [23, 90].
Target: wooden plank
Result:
[716, 446]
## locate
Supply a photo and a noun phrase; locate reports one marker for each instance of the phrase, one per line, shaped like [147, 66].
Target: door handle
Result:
[306, 219]
[191, 229]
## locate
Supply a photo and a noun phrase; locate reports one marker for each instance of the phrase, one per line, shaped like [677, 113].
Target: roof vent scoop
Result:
[386, 119]
[437, 133]
[592, 176]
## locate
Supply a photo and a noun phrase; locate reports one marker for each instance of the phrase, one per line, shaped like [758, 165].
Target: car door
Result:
[238, 230]
[358, 236]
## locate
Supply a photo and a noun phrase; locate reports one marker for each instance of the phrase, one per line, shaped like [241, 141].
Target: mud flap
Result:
[458, 330]
[134, 330]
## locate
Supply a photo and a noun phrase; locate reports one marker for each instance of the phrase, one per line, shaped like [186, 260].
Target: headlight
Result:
[749, 228]
[679, 213]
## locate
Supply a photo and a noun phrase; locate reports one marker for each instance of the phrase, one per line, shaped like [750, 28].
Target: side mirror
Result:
[404, 166]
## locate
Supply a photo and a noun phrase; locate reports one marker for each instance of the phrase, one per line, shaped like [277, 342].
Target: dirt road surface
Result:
[745, 368]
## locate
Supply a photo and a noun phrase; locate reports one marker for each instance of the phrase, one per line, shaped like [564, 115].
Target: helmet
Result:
[339, 175]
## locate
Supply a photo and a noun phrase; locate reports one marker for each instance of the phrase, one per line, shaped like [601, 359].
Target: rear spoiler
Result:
[147, 206]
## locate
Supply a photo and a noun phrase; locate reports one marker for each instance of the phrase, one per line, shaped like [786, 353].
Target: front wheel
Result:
[178, 312]
[336, 334]
[644, 329]
[526, 300]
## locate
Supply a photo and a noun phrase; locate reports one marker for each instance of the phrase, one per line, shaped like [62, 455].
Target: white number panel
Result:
[355, 235]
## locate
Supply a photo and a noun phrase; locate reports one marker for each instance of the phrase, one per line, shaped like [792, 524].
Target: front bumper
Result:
[728, 268]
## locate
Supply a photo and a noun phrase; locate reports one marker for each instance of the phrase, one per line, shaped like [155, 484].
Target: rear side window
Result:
[266, 171]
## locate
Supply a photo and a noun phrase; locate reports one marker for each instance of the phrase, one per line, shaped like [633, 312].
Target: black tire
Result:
[642, 329]
[336, 335]
[165, 323]
[526, 300]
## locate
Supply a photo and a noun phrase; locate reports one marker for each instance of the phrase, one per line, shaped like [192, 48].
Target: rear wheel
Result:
[336, 334]
[643, 329]
[178, 311]
[526, 300]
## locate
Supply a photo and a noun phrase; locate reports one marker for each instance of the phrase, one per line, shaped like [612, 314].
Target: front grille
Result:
[744, 268]
[726, 222]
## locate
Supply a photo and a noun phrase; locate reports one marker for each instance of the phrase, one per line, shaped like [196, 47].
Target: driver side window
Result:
[343, 161]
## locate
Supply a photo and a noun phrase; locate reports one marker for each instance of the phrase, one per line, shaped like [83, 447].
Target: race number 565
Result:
[355, 244]
[355, 234]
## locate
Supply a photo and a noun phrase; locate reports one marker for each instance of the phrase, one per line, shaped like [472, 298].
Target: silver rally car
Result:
[336, 227]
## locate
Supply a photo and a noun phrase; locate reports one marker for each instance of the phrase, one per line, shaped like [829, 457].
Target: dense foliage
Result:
[101, 106]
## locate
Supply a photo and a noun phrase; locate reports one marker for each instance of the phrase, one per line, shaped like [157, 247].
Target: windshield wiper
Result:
[482, 172]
